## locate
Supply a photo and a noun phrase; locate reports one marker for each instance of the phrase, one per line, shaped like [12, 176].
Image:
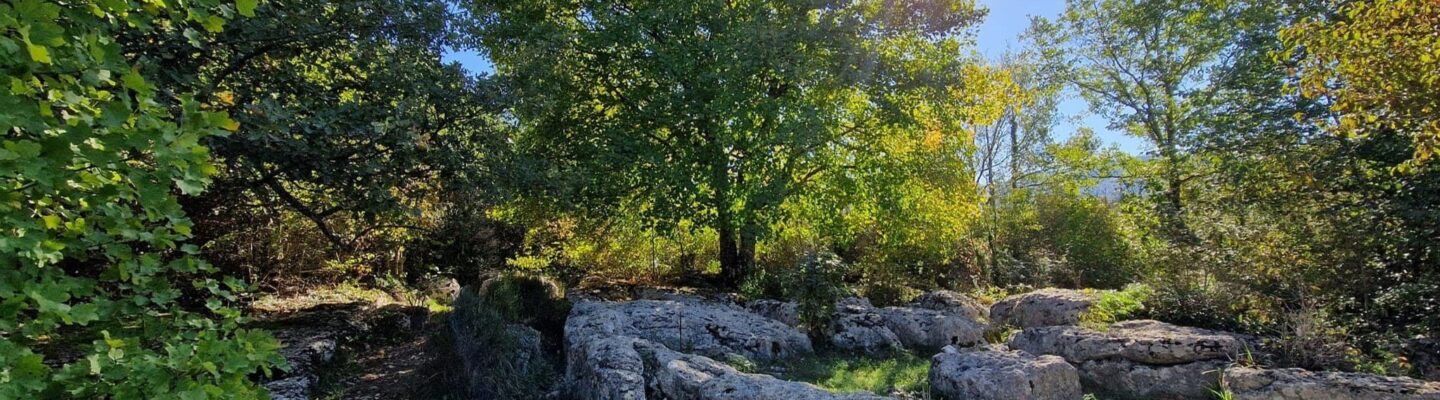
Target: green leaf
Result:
[246, 7]
[38, 53]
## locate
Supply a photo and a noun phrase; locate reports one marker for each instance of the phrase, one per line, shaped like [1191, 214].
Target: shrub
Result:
[817, 287]
[531, 300]
[499, 360]
[1117, 305]
[816, 284]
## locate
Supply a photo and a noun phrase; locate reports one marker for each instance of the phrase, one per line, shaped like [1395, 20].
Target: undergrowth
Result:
[901, 371]
[1113, 306]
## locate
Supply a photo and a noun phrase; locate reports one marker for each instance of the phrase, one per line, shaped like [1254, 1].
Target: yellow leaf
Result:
[51, 221]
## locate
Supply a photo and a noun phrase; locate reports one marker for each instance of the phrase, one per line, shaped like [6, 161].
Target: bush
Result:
[527, 299]
[500, 360]
[817, 288]
[816, 284]
[1118, 305]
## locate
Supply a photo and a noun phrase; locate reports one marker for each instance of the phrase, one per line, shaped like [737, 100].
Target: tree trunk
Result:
[729, 251]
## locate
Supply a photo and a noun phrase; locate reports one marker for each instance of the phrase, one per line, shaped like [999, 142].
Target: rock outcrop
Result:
[674, 375]
[1123, 379]
[952, 303]
[1297, 384]
[1044, 307]
[1007, 375]
[1144, 341]
[1139, 359]
[697, 327]
[787, 312]
[859, 327]
[310, 340]
[926, 328]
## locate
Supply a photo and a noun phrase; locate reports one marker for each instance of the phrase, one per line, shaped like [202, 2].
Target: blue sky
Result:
[1000, 32]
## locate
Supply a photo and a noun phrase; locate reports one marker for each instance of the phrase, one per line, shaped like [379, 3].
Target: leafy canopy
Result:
[1377, 63]
[91, 261]
[721, 112]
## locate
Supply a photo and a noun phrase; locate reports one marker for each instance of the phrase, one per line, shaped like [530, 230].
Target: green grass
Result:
[851, 373]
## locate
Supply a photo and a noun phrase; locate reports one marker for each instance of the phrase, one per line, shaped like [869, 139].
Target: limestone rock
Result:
[952, 303]
[1145, 342]
[702, 328]
[605, 369]
[856, 327]
[1298, 384]
[787, 312]
[1044, 307]
[673, 375]
[920, 327]
[1122, 379]
[1010, 375]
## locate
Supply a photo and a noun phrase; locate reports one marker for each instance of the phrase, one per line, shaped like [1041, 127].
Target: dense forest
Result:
[169, 165]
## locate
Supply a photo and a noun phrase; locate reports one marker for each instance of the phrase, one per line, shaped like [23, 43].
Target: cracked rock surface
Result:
[1298, 384]
[1044, 307]
[1007, 375]
[696, 327]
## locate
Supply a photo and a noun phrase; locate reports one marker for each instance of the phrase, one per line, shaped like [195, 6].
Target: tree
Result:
[1143, 64]
[720, 111]
[92, 262]
[1375, 63]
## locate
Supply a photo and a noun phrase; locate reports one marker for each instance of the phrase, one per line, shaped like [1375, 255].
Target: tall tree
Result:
[719, 111]
[1143, 64]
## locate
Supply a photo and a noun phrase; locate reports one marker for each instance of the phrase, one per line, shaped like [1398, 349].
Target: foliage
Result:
[489, 352]
[102, 299]
[1116, 305]
[354, 137]
[1375, 63]
[1137, 63]
[882, 375]
[720, 112]
[816, 283]
[526, 299]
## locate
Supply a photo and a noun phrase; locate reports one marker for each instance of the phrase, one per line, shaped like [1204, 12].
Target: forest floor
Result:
[370, 366]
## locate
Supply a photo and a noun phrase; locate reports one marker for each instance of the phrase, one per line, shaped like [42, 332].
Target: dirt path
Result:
[383, 372]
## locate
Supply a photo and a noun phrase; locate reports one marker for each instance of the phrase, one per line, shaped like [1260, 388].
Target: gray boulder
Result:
[1009, 375]
[1145, 342]
[699, 327]
[787, 312]
[856, 327]
[1298, 384]
[1122, 379]
[952, 303]
[920, 327]
[1044, 307]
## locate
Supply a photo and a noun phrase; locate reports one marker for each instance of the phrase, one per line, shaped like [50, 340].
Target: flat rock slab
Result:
[628, 368]
[698, 327]
[1122, 379]
[952, 303]
[1044, 307]
[1298, 384]
[1008, 375]
[1144, 342]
